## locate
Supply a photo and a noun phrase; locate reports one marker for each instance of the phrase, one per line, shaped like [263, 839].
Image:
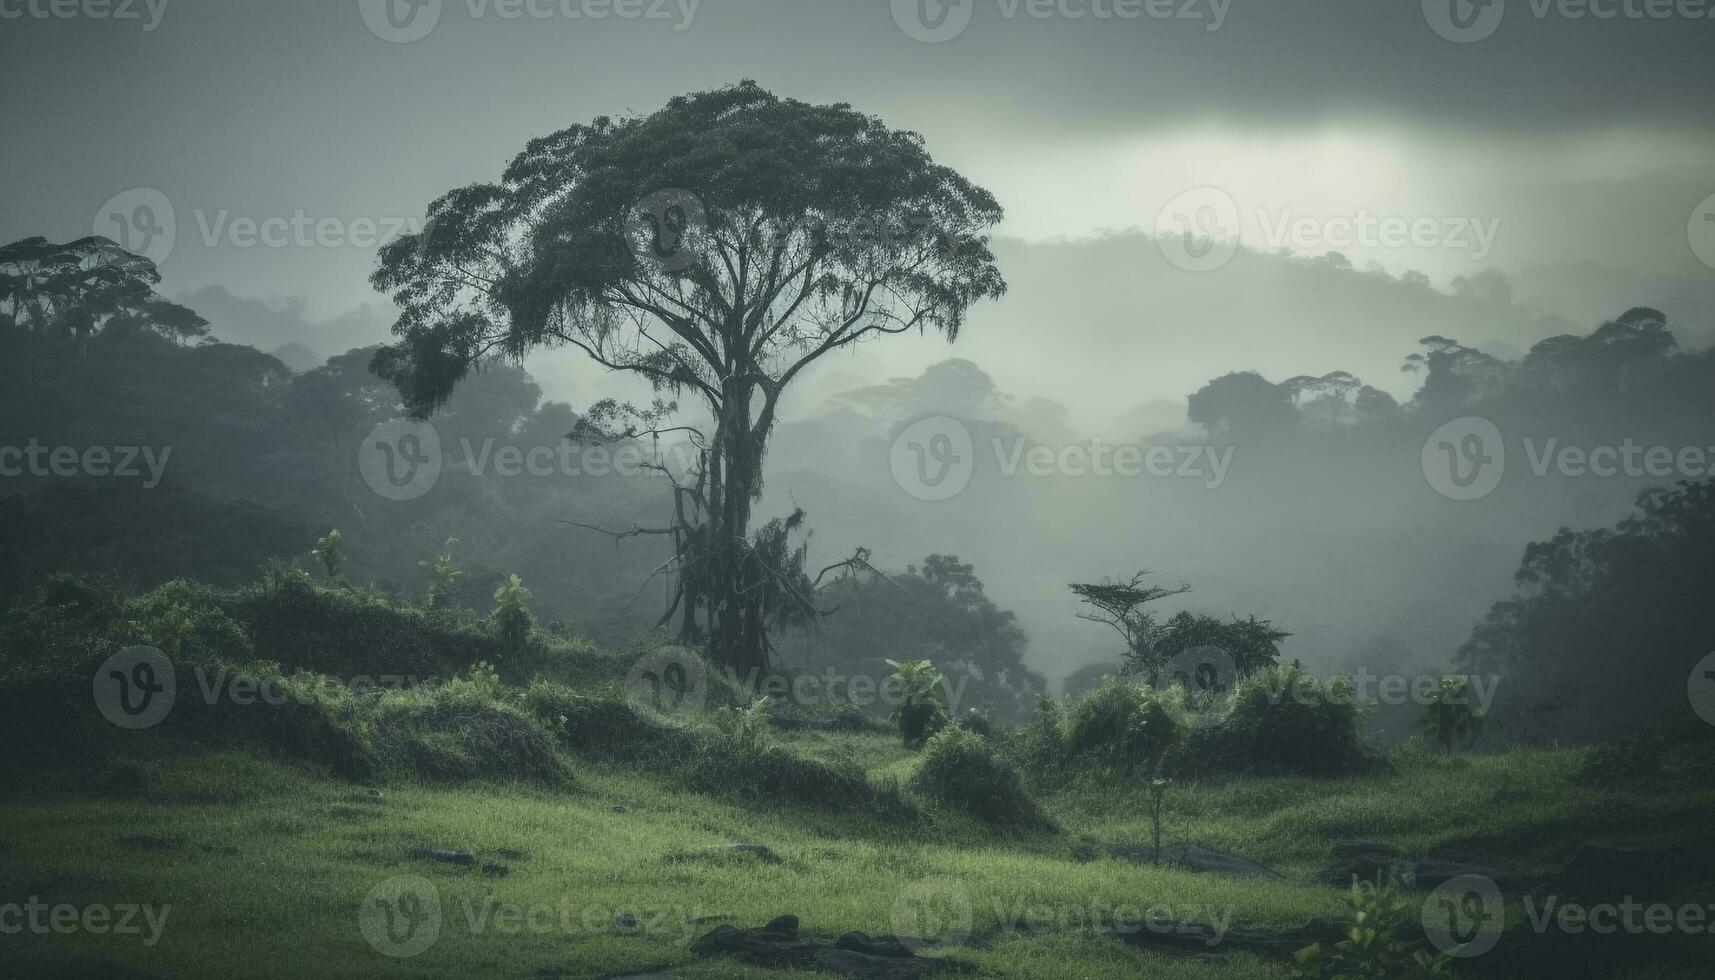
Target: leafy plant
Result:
[922, 707]
[511, 614]
[1450, 718]
[328, 553]
[746, 726]
[443, 575]
[1375, 947]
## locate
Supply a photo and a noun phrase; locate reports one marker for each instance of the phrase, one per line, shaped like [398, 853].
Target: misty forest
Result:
[491, 489]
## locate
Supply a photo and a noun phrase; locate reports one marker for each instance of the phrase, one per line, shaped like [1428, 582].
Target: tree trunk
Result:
[737, 637]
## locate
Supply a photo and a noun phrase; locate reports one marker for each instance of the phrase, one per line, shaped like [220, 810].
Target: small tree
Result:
[922, 706]
[443, 575]
[511, 615]
[328, 553]
[1121, 606]
[1450, 717]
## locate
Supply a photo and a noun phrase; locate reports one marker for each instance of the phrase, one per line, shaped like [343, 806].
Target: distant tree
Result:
[1252, 643]
[1453, 375]
[1121, 606]
[1619, 615]
[1450, 718]
[717, 247]
[73, 290]
[1243, 406]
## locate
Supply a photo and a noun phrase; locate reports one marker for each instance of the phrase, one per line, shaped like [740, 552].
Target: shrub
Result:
[921, 711]
[1450, 718]
[1375, 946]
[511, 614]
[1124, 726]
[960, 770]
[1282, 719]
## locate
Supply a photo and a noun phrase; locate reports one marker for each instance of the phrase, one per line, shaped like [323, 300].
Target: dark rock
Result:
[625, 922]
[1645, 871]
[1429, 875]
[146, 842]
[491, 870]
[1196, 938]
[1194, 858]
[785, 924]
[859, 942]
[447, 857]
[780, 949]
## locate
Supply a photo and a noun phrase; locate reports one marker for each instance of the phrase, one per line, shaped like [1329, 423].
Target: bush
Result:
[1123, 726]
[1282, 719]
[960, 770]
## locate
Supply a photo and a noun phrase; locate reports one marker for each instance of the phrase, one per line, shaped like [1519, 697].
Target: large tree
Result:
[716, 248]
[71, 291]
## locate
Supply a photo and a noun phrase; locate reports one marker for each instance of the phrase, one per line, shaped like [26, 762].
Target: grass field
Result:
[268, 864]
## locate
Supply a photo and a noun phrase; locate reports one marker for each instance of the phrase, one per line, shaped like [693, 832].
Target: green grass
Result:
[271, 861]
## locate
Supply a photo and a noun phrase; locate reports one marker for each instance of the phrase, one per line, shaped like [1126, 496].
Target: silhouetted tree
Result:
[717, 247]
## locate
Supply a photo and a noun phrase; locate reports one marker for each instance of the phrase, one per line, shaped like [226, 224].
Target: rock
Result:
[146, 842]
[491, 870]
[1194, 858]
[1196, 938]
[1614, 870]
[859, 942]
[447, 857]
[1429, 875]
[625, 922]
[854, 955]
[785, 925]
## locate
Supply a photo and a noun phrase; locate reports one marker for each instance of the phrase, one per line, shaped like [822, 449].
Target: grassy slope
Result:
[273, 861]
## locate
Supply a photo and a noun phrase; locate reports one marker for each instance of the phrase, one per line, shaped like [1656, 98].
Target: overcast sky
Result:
[1551, 138]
